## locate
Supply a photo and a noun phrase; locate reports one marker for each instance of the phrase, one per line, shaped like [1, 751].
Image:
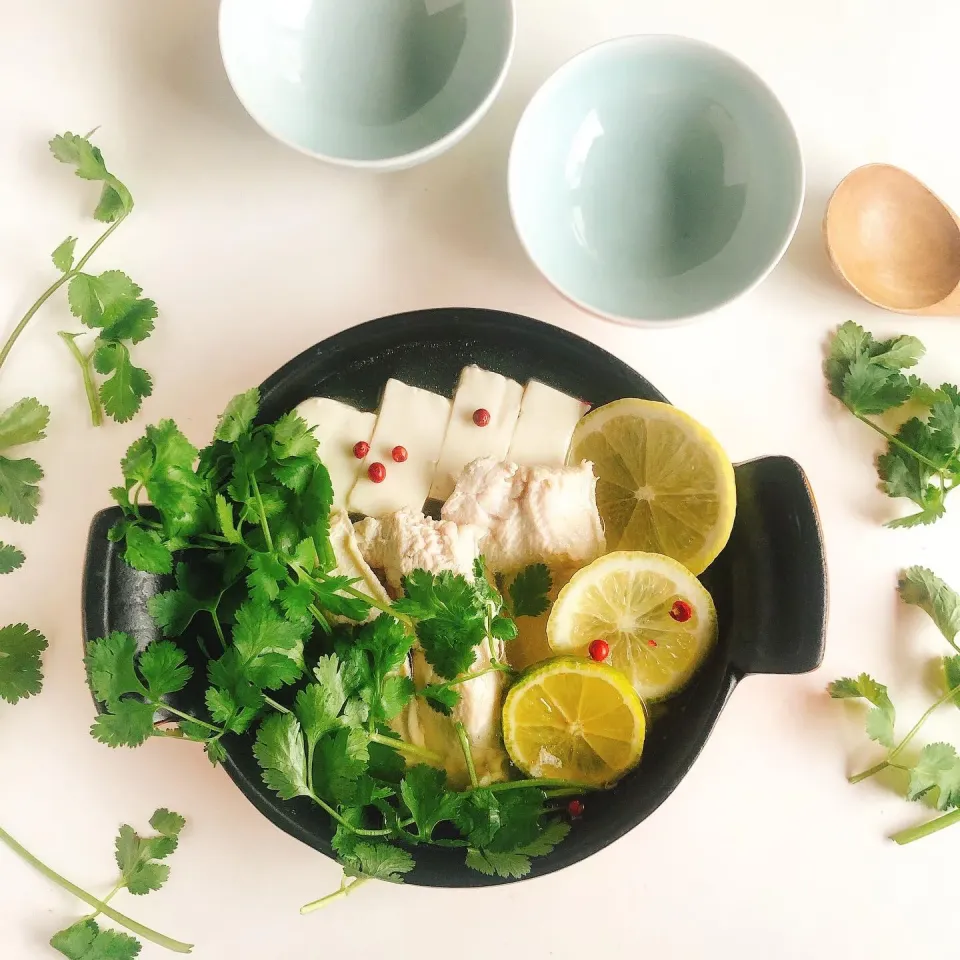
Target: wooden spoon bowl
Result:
[894, 241]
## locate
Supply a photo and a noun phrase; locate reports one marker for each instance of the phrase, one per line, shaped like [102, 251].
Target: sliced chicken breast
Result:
[529, 514]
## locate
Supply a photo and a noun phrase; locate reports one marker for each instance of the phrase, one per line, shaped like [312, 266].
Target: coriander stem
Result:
[898, 749]
[896, 441]
[99, 905]
[359, 831]
[273, 703]
[464, 678]
[467, 754]
[89, 387]
[544, 783]
[188, 717]
[345, 890]
[53, 288]
[865, 774]
[402, 746]
[264, 525]
[106, 899]
[28, 316]
[925, 829]
[217, 626]
[82, 262]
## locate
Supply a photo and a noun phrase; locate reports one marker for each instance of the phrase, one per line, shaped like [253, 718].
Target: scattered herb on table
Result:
[922, 461]
[243, 527]
[109, 303]
[935, 769]
[141, 871]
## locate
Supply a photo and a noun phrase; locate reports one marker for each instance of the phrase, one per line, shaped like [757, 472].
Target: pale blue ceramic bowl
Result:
[655, 178]
[381, 84]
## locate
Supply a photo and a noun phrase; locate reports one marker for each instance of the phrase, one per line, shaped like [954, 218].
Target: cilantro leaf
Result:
[529, 591]
[129, 723]
[266, 575]
[238, 416]
[923, 588]
[280, 752]
[115, 199]
[441, 696]
[937, 767]
[128, 321]
[338, 763]
[163, 666]
[318, 705]
[124, 391]
[880, 720]
[62, 257]
[20, 650]
[146, 551]
[111, 667]
[424, 791]
[293, 437]
[19, 493]
[451, 619]
[548, 838]
[86, 941]
[225, 519]
[865, 374]
[114, 671]
[378, 861]
[167, 823]
[24, 422]
[11, 558]
[509, 865]
[138, 857]
[260, 630]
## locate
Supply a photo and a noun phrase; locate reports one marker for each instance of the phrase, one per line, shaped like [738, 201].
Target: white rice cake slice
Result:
[338, 427]
[416, 420]
[545, 427]
[465, 441]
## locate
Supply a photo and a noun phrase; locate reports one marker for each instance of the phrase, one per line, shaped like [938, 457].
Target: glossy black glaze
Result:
[769, 584]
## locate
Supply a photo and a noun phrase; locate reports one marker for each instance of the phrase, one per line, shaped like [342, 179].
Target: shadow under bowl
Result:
[655, 178]
[381, 84]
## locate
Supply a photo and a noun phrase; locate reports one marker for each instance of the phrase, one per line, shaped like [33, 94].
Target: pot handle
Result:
[779, 577]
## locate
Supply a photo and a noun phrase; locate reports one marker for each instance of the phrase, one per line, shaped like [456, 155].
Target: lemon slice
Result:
[573, 719]
[664, 483]
[657, 618]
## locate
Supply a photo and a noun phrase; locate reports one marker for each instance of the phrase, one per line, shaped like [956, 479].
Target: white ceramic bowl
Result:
[379, 84]
[654, 179]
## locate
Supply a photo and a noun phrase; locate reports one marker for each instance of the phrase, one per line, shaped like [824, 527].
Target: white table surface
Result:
[253, 253]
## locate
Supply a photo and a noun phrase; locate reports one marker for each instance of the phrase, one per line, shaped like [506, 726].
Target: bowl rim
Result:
[400, 161]
[640, 40]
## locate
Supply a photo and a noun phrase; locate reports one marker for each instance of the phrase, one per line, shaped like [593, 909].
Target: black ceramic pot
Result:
[769, 584]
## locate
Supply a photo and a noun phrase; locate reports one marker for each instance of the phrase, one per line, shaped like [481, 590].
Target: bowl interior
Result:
[655, 178]
[364, 80]
[428, 349]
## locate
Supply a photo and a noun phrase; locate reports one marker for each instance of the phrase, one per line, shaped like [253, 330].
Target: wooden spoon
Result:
[894, 241]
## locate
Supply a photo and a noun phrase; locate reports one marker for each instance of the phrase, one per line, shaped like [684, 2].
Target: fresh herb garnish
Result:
[247, 520]
[935, 770]
[109, 303]
[922, 461]
[20, 650]
[141, 871]
[529, 591]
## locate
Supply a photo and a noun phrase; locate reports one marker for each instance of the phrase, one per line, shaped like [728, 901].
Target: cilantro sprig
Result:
[139, 859]
[922, 461]
[108, 304]
[293, 658]
[935, 770]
